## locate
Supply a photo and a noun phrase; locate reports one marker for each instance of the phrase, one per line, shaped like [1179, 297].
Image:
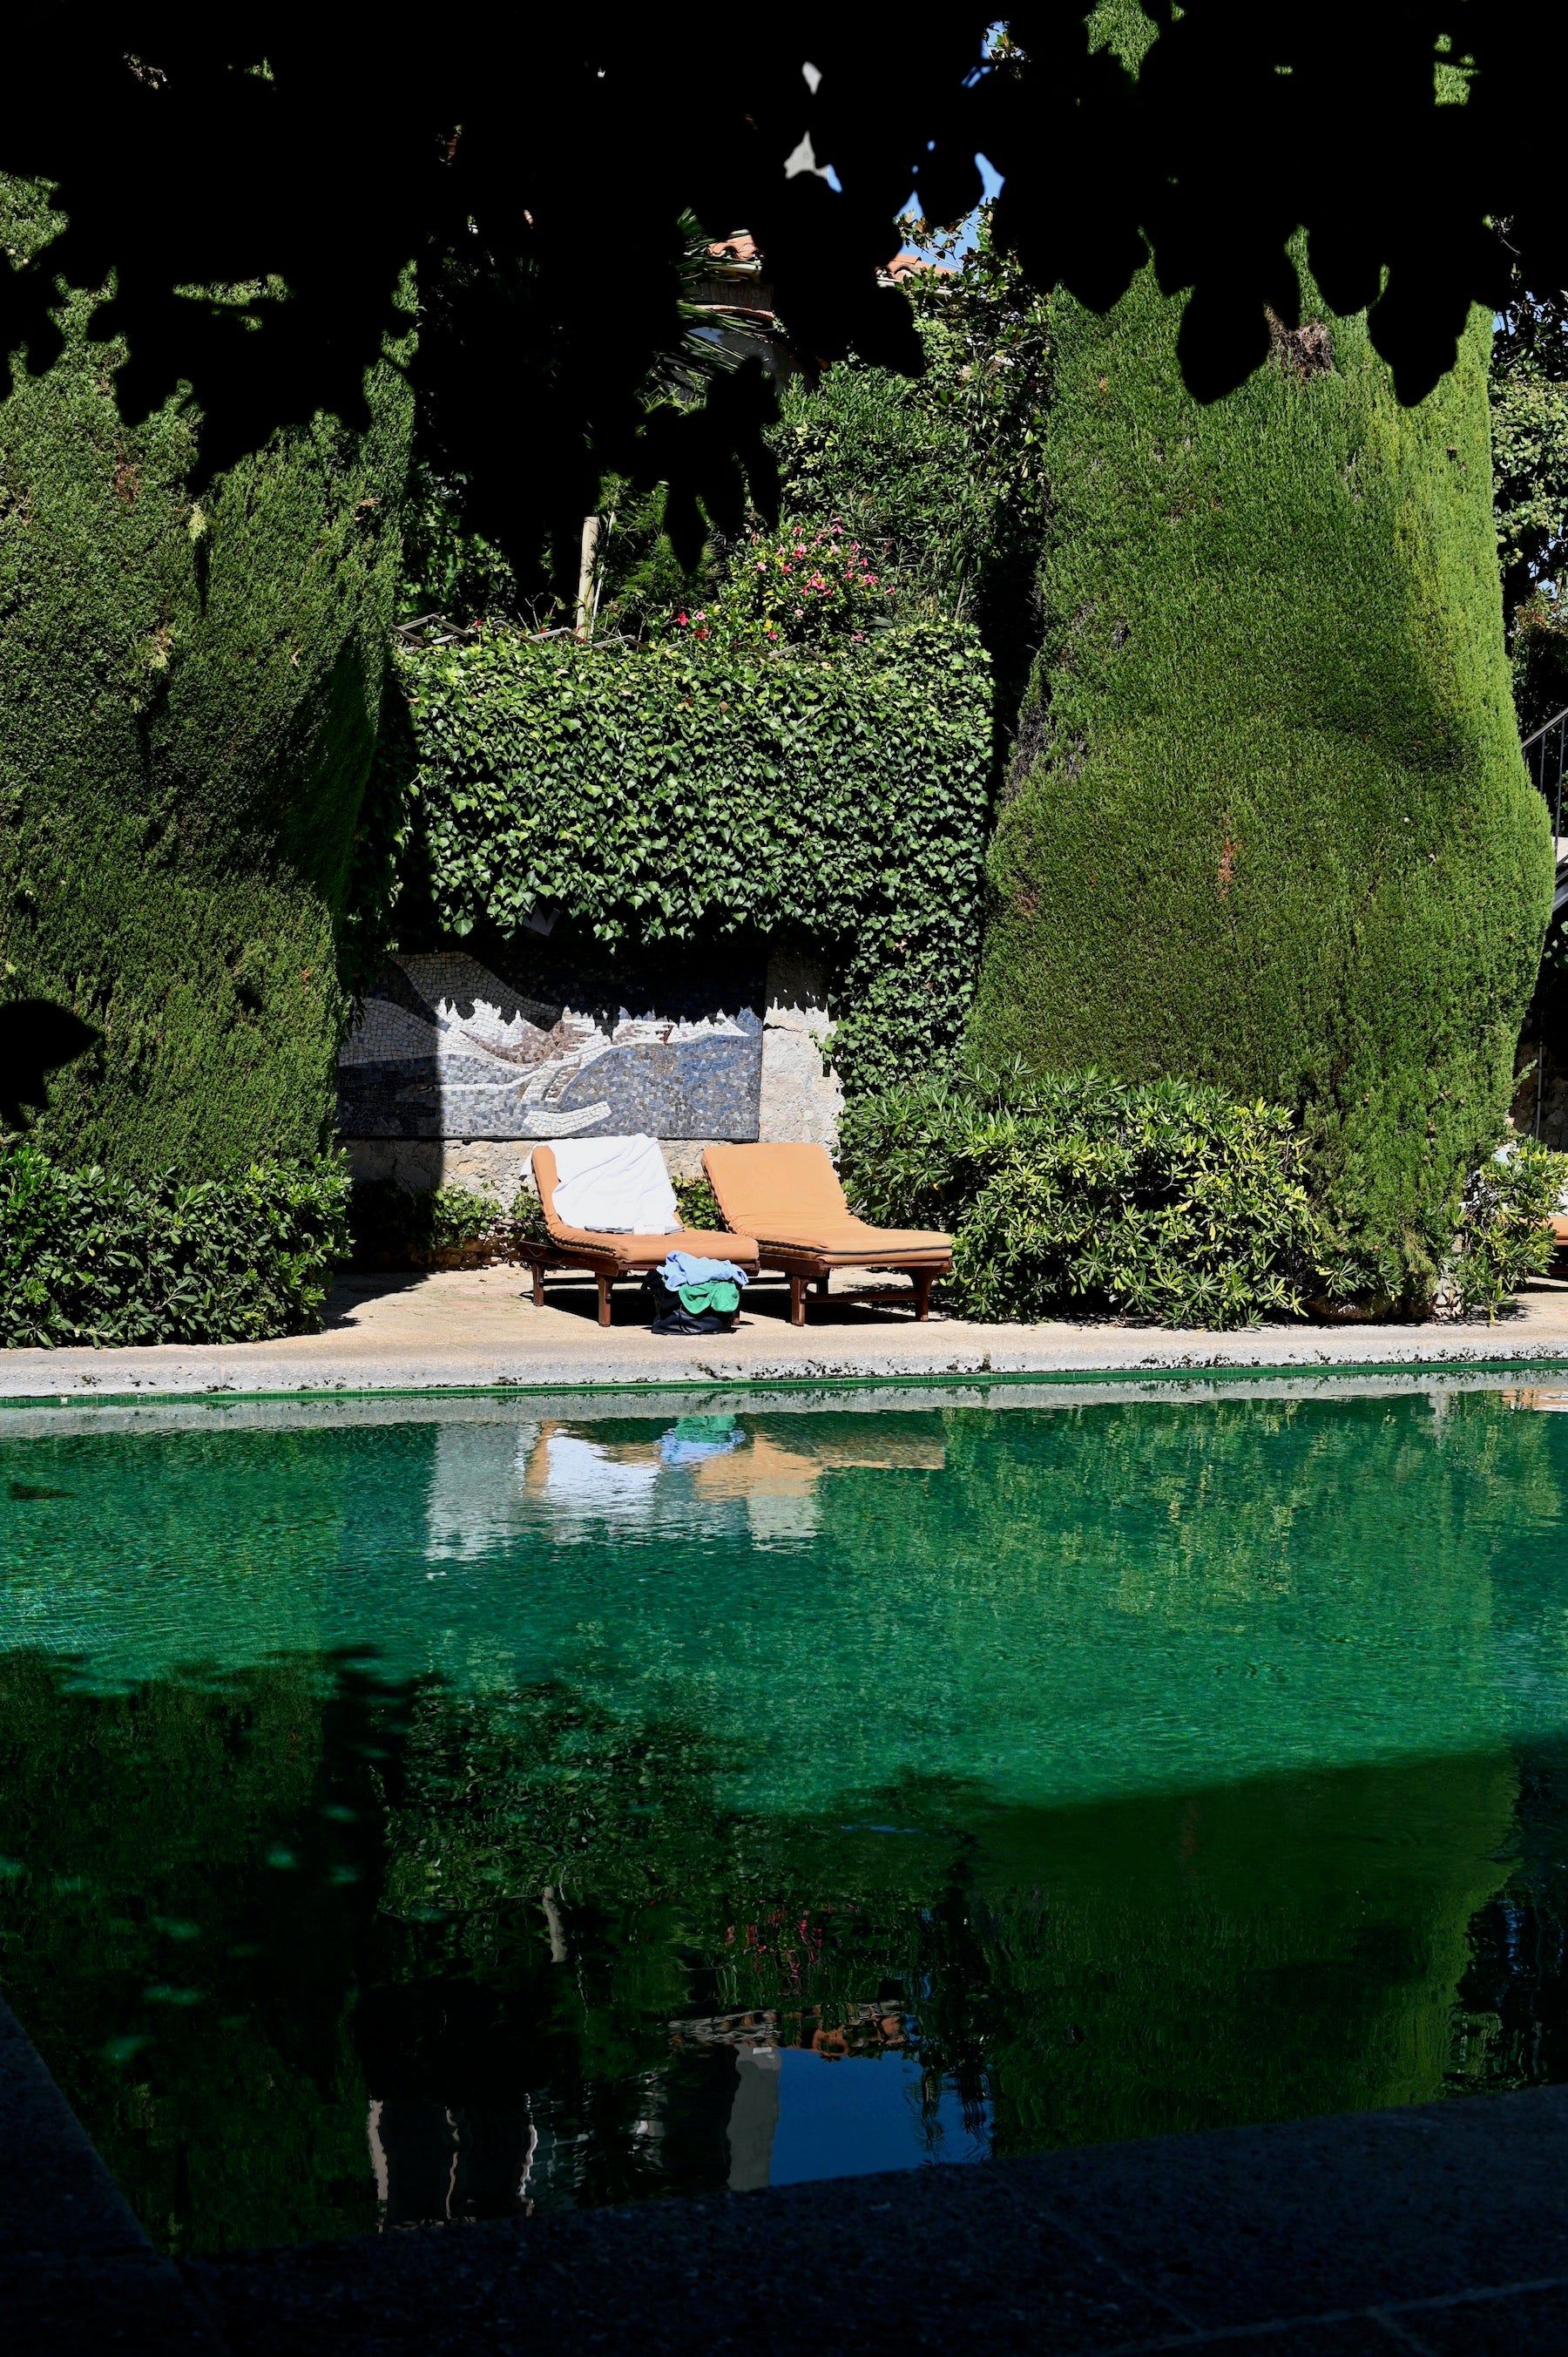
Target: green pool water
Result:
[428, 1810]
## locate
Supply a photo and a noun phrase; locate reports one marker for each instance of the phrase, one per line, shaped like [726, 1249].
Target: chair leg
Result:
[539, 1284]
[924, 1280]
[797, 1301]
[822, 1286]
[604, 1285]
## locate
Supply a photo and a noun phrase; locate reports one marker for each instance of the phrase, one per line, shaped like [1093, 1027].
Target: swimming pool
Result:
[416, 1810]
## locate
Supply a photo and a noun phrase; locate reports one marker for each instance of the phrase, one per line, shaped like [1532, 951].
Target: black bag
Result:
[670, 1315]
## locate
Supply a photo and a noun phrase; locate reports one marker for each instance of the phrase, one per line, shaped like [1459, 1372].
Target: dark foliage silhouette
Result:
[37, 1038]
[256, 187]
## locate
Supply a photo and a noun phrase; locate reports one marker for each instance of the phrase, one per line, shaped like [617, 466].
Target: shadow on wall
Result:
[38, 1038]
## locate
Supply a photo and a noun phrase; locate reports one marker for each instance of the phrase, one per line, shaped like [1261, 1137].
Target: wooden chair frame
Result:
[803, 1268]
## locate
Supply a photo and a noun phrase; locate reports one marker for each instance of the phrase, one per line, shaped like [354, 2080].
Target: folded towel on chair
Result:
[616, 1185]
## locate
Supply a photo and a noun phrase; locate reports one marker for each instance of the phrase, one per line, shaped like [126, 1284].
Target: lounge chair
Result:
[610, 1254]
[789, 1199]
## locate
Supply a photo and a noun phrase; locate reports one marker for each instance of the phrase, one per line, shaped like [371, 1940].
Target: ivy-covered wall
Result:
[679, 794]
[188, 691]
[1269, 825]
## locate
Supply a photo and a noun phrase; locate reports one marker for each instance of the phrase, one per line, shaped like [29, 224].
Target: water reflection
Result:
[574, 1811]
[311, 1953]
[701, 1476]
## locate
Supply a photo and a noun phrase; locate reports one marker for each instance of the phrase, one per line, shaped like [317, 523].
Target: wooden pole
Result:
[587, 568]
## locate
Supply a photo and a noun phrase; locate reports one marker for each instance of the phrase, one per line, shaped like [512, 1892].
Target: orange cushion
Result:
[857, 1245]
[651, 1252]
[790, 1197]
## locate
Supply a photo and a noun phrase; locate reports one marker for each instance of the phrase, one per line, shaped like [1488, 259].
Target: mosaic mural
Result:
[450, 1048]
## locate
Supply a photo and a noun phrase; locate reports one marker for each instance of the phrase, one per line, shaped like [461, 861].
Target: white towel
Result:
[616, 1185]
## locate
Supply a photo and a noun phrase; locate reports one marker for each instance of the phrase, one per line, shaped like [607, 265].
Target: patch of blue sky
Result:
[990, 180]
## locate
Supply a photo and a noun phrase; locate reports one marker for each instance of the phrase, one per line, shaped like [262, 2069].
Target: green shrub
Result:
[699, 1206]
[189, 688]
[465, 1215]
[89, 1258]
[1269, 828]
[1505, 1228]
[408, 1225]
[680, 793]
[1076, 1194]
[527, 1218]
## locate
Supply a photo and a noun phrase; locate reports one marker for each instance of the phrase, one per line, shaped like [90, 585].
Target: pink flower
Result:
[800, 548]
[785, 562]
[681, 619]
[700, 615]
[800, 613]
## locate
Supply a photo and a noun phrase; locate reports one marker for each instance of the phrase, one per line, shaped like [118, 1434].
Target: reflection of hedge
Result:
[1275, 833]
[671, 794]
[189, 692]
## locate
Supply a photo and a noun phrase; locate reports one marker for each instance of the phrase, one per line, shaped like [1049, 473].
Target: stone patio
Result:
[477, 1329]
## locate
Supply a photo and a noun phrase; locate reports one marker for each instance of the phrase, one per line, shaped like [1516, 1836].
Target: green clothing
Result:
[721, 1292]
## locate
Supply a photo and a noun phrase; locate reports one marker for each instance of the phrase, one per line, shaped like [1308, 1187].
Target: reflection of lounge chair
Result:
[769, 1468]
[610, 1254]
[789, 1199]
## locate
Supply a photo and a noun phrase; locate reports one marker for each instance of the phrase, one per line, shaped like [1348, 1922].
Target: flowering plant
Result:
[809, 586]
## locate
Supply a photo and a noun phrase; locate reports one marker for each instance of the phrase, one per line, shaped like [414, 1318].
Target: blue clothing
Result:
[690, 1268]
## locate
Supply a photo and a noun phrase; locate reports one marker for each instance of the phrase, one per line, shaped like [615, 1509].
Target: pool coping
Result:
[24, 1416]
[1195, 1374]
[1330, 2236]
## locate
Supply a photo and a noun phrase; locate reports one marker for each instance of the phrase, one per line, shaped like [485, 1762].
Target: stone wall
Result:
[456, 1073]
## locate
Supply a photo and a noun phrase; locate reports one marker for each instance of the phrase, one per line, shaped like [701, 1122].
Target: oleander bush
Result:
[89, 1257]
[1079, 1194]
[1505, 1227]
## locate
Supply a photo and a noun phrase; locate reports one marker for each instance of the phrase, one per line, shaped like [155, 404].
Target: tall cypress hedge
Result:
[188, 693]
[1268, 825]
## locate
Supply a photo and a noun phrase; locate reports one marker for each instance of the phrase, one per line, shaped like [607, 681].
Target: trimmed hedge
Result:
[1077, 1195]
[188, 700]
[86, 1257]
[678, 793]
[1269, 827]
